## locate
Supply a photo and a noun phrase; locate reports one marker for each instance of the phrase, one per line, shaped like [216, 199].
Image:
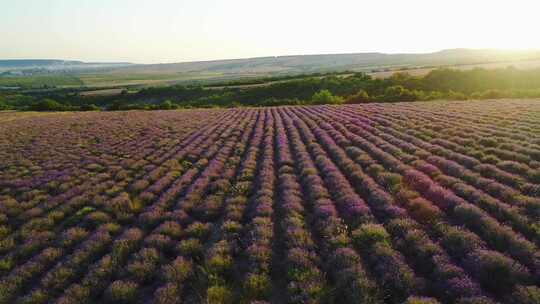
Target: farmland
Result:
[379, 203]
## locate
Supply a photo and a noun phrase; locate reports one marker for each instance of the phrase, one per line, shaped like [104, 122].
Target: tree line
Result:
[439, 84]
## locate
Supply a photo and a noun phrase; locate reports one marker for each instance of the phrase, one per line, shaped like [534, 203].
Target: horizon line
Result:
[277, 56]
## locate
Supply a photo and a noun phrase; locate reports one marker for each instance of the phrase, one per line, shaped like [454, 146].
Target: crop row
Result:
[404, 203]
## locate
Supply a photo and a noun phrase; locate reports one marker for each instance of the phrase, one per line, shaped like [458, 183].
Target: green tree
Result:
[399, 93]
[89, 107]
[3, 106]
[451, 95]
[325, 97]
[48, 105]
[360, 97]
[167, 105]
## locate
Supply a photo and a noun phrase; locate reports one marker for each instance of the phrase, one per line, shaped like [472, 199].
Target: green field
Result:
[117, 79]
[156, 77]
[41, 81]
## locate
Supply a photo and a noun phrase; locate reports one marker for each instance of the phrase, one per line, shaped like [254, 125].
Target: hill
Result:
[62, 73]
[377, 64]
[333, 62]
[19, 65]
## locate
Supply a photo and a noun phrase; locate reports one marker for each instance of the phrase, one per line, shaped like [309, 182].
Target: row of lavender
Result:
[354, 204]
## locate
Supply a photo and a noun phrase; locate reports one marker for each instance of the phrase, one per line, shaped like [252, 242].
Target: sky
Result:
[162, 31]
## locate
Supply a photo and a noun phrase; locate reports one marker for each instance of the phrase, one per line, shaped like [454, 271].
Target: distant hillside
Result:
[321, 63]
[30, 63]
[63, 73]
[54, 65]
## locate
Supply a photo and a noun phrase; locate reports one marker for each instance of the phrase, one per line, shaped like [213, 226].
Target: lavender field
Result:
[380, 203]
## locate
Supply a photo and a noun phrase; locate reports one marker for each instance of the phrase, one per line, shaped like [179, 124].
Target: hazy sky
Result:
[145, 31]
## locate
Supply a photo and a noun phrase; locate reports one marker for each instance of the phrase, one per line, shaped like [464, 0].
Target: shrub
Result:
[139, 185]
[257, 286]
[419, 300]
[122, 205]
[232, 227]
[89, 107]
[73, 235]
[370, 234]
[399, 93]
[145, 264]
[75, 294]
[190, 248]
[58, 277]
[6, 264]
[122, 292]
[360, 97]
[3, 106]
[159, 241]
[525, 295]
[219, 295]
[490, 94]
[476, 300]
[534, 176]
[171, 229]
[46, 105]
[488, 142]
[219, 264]
[452, 95]
[166, 105]
[459, 242]
[198, 230]
[325, 97]
[98, 218]
[352, 285]
[393, 272]
[178, 271]
[391, 181]
[168, 294]
[496, 272]
[423, 211]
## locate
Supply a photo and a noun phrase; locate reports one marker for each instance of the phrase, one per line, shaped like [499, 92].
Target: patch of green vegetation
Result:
[442, 84]
[40, 81]
[110, 80]
[85, 210]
